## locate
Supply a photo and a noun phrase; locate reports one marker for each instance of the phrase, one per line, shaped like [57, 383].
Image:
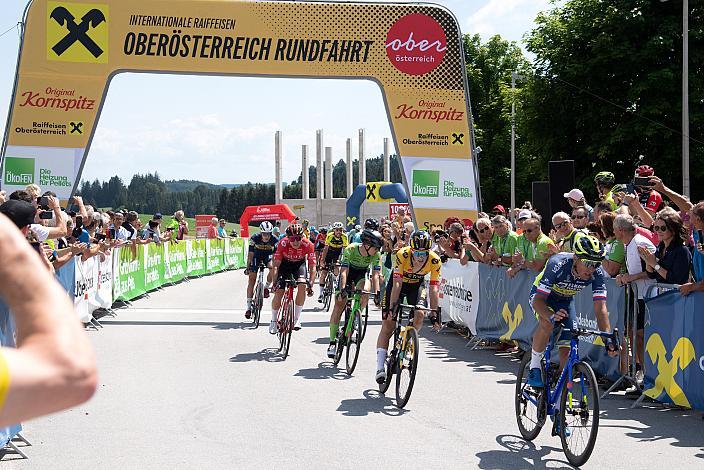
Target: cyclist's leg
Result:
[338, 308]
[387, 328]
[365, 285]
[563, 343]
[252, 277]
[300, 273]
[270, 273]
[415, 295]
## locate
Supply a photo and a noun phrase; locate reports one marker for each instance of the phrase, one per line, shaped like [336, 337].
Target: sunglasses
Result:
[660, 228]
[482, 230]
[560, 225]
[530, 230]
[591, 264]
[578, 217]
[295, 238]
[419, 253]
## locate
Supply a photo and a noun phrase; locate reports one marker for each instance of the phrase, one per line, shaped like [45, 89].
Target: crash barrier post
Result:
[7, 339]
[631, 316]
[131, 271]
[493, 306]
[674, 347]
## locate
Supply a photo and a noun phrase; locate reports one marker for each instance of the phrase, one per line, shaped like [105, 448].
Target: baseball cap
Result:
[157, 216]
[524, 214]
[499, 208]
[20, 212]
[575, 194]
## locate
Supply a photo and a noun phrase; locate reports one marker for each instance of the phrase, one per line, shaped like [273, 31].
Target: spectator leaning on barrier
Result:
[130, 225]
[670, 263]
[697, 219]
[213, 228]
[615, 262]
[503, 243]
[453, 244]
[478, 250]
[565, 233]
[53, 366]
[178, 225]
[222, 231]
[625, 231]
[522, 215]
[533, 248]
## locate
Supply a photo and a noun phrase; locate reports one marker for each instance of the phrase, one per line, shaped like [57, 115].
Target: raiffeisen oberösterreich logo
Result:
[416, 44]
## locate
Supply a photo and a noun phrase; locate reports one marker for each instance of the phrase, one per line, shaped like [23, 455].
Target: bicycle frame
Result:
[565, 375]
[285, 302]
[353, 305]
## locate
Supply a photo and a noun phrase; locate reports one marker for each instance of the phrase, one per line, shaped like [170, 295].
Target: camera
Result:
[46, 215]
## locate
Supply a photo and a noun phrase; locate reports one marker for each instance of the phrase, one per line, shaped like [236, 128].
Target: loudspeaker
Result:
[561, 175]
[541, 203]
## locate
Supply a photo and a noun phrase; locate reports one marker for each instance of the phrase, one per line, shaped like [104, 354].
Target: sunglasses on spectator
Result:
[482, 230]
[560, 225]
[578, 217]
[530, 230]
[295, 238]
[660, 228]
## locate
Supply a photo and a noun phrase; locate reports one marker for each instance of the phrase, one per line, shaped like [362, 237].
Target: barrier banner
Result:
[214, 255]
[85, 289]
[174, 261]
[195, 257]
[103, 291]
[674, 349]
[66, 275]
[459, 293]
[128, 273]
[505, 314]
[153, 265]
[234, 255]
[7, 340]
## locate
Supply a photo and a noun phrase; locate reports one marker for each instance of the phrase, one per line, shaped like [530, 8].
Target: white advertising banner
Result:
[86, 288]
[103, 293]
[52, 168]
[439, 183]
[459, 293]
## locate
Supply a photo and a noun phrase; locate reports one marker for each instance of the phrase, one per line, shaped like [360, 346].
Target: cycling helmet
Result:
[323, 229]
[294, 229]
[605, 177]
[371, 237]
[371, 224]
[645, 170]
[619, 188]
[589, 248]
[266, 227]
[420, 240]
[337, 225]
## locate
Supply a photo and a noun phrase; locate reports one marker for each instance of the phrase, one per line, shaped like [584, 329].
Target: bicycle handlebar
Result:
[417, 307]
[614, 336]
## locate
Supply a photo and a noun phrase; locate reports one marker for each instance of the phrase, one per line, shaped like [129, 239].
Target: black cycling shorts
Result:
[332, 257]
[411, 292]
[354, 275]
[289, 269]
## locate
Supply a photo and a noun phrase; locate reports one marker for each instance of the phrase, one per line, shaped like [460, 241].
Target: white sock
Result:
[321, 288]
[274, 313]
[535, 358]
[267, 285]
[297, 313]
[380, 358]
[249, 302]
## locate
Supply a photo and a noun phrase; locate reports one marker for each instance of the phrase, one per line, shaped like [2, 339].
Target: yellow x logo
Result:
[351, 220]
[512, 320]
[682, 355]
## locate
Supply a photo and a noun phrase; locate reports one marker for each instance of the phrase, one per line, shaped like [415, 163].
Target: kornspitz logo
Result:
[426, 183]
[416, 44]
[19, 171]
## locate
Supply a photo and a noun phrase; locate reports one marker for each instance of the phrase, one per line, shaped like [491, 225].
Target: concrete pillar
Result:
[350, 170]
[277, 167]
[319, 164]
[328, 172]
[305, 194]
[387, 160]
[362, 165]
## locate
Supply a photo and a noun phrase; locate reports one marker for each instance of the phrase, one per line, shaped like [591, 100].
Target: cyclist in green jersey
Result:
[356, 260]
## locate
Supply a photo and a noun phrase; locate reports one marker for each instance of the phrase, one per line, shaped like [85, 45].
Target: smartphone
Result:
[100, 237]
[112, 233]
[37, 247]
[642, 181]
[79, 221]
[43, 201]
[46, 215]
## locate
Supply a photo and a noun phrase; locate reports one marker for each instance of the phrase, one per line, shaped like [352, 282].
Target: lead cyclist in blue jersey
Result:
[552, 299]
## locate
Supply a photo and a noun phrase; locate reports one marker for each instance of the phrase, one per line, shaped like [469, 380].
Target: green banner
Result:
[195, 257]
[128, 273]
[215, 255]
[153, 266]
[235, 253]
[174, 261]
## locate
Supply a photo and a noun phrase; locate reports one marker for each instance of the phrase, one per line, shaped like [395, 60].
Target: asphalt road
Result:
[184, 384]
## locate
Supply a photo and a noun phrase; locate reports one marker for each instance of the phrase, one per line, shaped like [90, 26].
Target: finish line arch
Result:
[71, 50]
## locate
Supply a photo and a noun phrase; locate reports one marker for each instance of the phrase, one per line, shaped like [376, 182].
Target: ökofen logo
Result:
[19, 171]
[426, 183]
[416, 44]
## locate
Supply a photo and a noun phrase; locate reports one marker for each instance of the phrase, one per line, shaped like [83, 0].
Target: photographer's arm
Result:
[682, 203]
[53, 367]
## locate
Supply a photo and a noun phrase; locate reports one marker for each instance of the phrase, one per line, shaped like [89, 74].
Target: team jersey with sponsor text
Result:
[558, 279]
[286, 252]
[403, 267]
[352, 257]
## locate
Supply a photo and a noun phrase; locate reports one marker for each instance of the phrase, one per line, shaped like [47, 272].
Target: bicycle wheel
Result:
[579, 412]
[530, 403]
[353, 343]
[288, 329]
[390, 369]
[257, 305]
[340, 345]
[328, 290]
[407, 367]
[365, 319]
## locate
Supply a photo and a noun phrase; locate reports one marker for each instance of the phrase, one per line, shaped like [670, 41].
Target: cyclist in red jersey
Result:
[290, 258]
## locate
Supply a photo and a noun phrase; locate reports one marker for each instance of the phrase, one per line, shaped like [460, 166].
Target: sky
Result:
[221, 129]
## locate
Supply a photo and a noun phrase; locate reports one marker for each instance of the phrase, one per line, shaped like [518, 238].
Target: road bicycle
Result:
[258, 299]
[350, 333]
[403, 359]
[329, 286]
[285, 317]
[570, 398]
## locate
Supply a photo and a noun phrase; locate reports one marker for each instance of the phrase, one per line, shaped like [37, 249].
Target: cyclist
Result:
[320, 243]
[604, 181]
[357, 258]
[411, 264]
[335, 241]
[290, 258]
[369, 224]
[552, 299]
[261, 248]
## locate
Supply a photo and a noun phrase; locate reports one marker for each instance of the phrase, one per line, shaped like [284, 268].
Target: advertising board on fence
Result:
[7, 339]
[459, 293]
[674, 349]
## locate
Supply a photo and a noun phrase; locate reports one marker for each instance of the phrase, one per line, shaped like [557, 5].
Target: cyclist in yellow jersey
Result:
[53, 366]
[411, 265]
[335, 242]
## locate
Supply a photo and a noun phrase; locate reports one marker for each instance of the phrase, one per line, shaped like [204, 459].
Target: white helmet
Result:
[266, 227]
[337, 225]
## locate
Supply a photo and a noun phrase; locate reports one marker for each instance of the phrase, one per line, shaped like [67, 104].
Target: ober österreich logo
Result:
[77, 32]
[416, 44]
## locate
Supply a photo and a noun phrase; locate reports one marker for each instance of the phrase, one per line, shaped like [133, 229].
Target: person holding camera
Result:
[697, 219]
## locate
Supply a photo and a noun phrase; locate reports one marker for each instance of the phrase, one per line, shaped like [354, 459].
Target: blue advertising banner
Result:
[505, 314]
[7, 339]
[674, 349]
[66, 275]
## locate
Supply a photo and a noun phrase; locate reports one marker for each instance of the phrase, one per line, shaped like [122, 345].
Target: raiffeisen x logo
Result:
[512, 320]
[72, 40]
[682, 355]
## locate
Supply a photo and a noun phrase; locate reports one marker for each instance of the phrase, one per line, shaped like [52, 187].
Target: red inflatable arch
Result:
[262, 213]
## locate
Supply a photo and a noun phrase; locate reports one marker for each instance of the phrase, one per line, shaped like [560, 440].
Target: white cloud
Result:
[510, 18]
